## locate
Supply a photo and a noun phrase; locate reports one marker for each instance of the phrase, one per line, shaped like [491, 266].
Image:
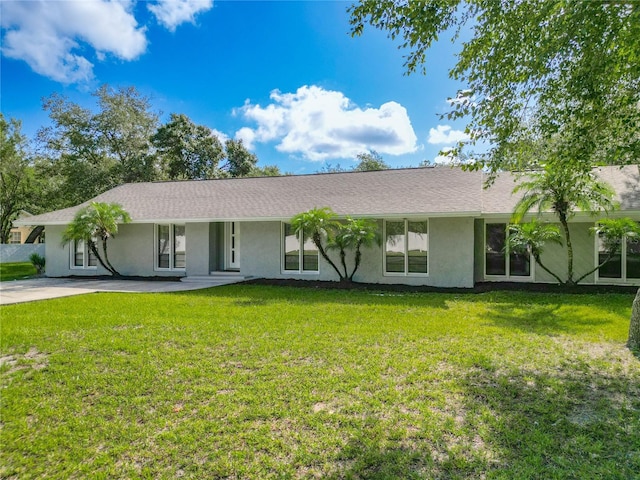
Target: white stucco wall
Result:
[131, 252]
[451, 256]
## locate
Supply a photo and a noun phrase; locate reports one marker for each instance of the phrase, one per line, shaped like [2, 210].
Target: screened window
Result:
[82, 256]
[623, 266]
[299, 254]
[15, 237]
[498, 260]
[171, 247]
[406, 247]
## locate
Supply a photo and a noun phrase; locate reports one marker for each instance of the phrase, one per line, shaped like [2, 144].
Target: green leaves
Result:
[96, 221]
[531, 69]
[327, 233]
[188, 151]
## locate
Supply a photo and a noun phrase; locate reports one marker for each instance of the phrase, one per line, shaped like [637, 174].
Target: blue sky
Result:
[286, 77]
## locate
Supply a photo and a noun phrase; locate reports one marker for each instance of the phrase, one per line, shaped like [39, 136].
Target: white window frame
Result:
[507, 275]
[406, 272]
[15, 238]
[85, 257]
[300, 254]
[172, 227]
[623, 267]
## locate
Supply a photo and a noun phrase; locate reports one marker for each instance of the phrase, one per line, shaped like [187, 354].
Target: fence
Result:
[20, 253]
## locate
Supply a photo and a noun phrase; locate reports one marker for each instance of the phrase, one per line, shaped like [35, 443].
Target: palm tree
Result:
[97, 220]
[321, 226]
[317, 224]
[357, 233]
[531, 237]
[563, 189]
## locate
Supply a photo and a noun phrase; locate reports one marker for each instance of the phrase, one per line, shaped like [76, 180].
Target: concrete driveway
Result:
[18, 291]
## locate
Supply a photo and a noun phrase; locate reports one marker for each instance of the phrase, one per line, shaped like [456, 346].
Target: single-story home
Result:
[439, 227]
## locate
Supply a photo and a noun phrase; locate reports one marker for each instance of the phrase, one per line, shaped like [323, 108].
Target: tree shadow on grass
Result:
[549, 319]
[571, 421]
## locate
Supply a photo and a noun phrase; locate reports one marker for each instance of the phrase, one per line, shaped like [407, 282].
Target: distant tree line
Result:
[83, 153]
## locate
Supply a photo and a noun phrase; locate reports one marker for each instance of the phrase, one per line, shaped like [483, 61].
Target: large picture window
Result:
[299, 254]
[406, 247]
[623, 266]
[82, 256]
[498, 260]
[171, 245]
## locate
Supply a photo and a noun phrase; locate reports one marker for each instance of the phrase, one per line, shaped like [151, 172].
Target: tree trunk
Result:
[634, 327]
[567, 237]
[537, 259]
[94, 249]
[356, 262]
[106, 258]
[317, 240]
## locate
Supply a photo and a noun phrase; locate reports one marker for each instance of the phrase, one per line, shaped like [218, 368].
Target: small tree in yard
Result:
[563, 190]
[531, 237]
[327, 233]
[97, 221]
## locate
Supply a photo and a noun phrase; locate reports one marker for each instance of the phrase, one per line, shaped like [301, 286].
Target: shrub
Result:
[38, 261]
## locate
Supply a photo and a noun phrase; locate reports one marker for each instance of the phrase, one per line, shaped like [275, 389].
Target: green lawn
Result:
[16, 271]
[265, 382]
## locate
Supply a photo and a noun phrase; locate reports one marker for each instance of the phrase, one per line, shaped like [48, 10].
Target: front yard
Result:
[257, 382]
[16, 271]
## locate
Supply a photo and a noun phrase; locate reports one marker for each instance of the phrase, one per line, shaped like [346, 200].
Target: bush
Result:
[37, 261]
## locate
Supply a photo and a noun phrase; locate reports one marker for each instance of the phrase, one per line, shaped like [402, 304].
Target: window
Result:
[82, 256]
[498, 260]
[171, 247]
[299, 254]
[406, 247]
[15, 237]
[623, 266]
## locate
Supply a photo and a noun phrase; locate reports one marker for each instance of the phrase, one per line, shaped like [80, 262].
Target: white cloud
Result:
[445, 134]
[172, 13]
[47, 35]
[53, 36]
[247, 136]
[223, 137]
[323, 124]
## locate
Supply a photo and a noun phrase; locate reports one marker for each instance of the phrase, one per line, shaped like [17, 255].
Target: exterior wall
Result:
[451, 256]
[131, 252]
[554, 257]
[197, 248]
[478, 264]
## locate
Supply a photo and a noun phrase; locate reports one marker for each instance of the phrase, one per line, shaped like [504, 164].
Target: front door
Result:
[232, 249]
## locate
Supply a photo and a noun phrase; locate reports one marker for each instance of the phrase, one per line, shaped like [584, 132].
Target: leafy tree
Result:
[539, 67]
[93, 152]
[369, 161]
[97, 221]
[532, 237]
[564, 190]
[15, 175]
[532, 69]
[327, 233]
[188, 151]
[317, 224]
[354, 234]
[240, 161]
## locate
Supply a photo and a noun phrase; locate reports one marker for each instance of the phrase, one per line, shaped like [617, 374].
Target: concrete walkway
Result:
[18, 291]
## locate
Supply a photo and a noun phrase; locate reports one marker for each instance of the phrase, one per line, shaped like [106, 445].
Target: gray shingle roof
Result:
[437, 191]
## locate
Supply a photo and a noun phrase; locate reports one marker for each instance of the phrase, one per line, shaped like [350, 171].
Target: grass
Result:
[16, 271]
[265, 382]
